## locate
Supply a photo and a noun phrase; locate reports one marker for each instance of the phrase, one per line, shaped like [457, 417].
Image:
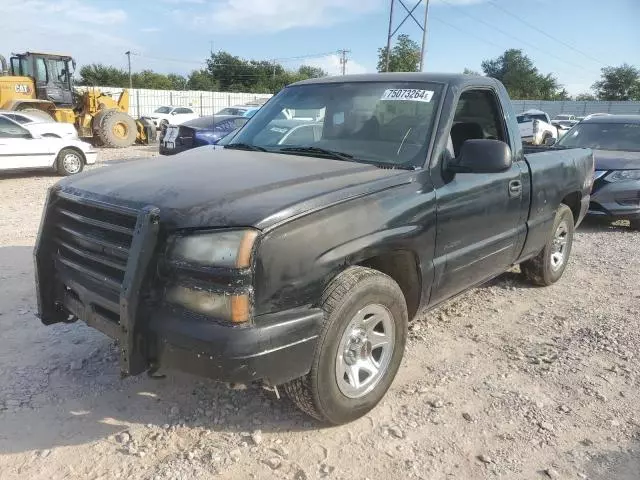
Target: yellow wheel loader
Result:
[41, 83]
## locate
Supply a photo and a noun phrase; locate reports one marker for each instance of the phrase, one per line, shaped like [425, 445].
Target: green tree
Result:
[618, 83]
[202, 80]
[97, 74]
[521, 78]
[307, 71]
[178, 82]
[468, 71]
[404, 56]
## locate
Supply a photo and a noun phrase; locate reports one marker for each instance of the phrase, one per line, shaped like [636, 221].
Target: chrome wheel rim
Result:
[559, 246]
[72, 163]
[365, 351]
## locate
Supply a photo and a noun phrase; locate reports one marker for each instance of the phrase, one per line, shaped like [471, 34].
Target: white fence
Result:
[578, 108]
[144, 101]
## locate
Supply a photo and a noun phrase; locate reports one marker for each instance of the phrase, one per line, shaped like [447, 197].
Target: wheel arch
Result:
[573, 200]
[72, 147]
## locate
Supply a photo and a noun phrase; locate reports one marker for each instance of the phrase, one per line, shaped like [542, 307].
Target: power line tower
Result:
[422, 26]
[344, 59]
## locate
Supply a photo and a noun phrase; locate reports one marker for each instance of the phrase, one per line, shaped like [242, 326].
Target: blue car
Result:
[199, 132]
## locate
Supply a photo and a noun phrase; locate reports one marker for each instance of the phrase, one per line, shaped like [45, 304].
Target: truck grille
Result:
[91, 245]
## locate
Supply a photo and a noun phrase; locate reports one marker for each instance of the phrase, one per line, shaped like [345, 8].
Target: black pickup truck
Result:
[300, 264]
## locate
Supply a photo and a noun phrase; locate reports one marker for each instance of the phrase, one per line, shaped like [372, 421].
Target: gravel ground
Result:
[507, 381]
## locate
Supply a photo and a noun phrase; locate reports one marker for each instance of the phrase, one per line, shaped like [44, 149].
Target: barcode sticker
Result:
[407, 94]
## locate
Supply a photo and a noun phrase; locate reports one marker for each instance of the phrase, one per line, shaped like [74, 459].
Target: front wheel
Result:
[359, 349]
[69, 162]
[548, 266]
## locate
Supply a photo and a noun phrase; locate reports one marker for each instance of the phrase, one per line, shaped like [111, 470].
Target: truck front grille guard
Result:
[47, 260]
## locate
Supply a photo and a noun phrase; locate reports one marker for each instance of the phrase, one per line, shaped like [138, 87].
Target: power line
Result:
[555, 39]
[466, 32]
[530, 45]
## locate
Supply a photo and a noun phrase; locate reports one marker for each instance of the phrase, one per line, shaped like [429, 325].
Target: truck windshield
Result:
[603, 136]
[386, 123]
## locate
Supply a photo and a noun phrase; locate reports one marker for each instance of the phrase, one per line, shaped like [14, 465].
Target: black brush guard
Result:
[67, 289]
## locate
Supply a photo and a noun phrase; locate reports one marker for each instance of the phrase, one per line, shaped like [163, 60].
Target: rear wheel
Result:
[548, 266]
[359, 349]
[69, 162]
[117, 130]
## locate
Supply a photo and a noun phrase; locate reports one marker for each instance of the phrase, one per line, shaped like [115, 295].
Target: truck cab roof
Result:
[452, 79]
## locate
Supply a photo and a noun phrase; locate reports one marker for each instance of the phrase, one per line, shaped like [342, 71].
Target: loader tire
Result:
[117, 130]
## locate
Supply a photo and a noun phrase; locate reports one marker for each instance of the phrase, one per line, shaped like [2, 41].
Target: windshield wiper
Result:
[321, 151]
[245, 146]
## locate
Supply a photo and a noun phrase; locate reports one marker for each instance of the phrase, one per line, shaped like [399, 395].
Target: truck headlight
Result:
[622, 175]
[232, 308]
[231, 249]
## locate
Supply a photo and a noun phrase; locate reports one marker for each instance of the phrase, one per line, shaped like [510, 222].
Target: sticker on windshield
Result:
[407, 94]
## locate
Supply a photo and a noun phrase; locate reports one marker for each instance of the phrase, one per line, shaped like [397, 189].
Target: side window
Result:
[183, 110]
[41, 70]
[17, 118]
[9, 129]
[477, 116]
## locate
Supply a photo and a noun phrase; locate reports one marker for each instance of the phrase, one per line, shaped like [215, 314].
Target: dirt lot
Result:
[507, 381]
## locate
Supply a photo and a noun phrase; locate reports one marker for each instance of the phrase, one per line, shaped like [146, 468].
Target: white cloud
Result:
[262, 16]
[66, 26]
[331, 64]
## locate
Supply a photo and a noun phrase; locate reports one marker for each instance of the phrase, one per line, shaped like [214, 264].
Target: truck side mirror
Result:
[482, 156]
[549, 141]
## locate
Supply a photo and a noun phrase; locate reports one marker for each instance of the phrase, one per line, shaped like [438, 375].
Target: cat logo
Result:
[23, 88]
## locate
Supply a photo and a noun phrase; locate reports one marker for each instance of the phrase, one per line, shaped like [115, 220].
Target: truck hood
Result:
[616, 160]
[204, 187]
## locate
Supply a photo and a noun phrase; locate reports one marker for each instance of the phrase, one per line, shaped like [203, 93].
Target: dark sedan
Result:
[199, 132]
[615, 141]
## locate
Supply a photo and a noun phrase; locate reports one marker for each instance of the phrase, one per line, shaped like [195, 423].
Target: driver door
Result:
[479, 216]
[18, 149]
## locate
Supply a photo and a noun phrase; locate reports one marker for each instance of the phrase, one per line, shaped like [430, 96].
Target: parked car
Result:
[565, 117]
[239, 110]
[300, 266]
[535, 127]
[21, 149]
[163, 116]
[563, 126]
[615, 140]
[196, 133]
[41, 125]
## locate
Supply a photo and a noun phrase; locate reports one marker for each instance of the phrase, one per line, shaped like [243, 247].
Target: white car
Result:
[535, 127]
[23, 150]
[40, 125]
[163, 116]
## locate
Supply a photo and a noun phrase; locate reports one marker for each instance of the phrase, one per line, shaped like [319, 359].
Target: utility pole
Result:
[422, 26]
[389, 35]
[344, 59]
[423, 50]
[128, 54]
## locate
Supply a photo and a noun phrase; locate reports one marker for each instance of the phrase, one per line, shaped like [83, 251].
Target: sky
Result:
[573, 39]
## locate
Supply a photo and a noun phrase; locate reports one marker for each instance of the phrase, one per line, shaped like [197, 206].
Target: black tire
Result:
[542, 269]
[38, 113]
[117, 130]
[318, 393]
[65, 166]
[635, 224]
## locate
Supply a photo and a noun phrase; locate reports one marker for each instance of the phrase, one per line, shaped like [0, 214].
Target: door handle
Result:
[515, 188]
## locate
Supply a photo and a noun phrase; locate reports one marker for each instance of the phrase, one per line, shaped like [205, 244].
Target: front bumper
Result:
[616, 200]
[278, 348]
[96, 262]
